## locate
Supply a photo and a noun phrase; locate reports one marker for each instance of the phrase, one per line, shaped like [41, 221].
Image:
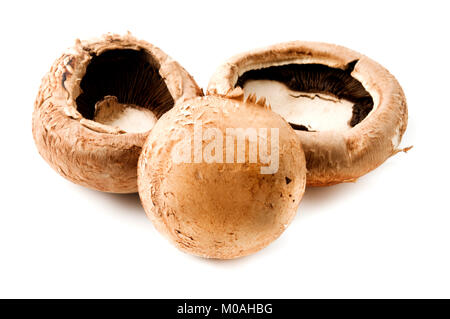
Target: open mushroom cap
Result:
[207, 197]
[349, 112]
[97, 104]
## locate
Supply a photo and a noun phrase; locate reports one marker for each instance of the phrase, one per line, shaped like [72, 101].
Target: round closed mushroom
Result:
[349, 112]
[221, 178]
[97, 104]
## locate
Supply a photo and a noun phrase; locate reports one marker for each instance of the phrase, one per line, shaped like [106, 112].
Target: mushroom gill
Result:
[311, 97]
[123, 88]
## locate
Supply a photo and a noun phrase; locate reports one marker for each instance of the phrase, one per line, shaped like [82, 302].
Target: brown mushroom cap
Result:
[215, 209]
[87, 152]
[332, 156]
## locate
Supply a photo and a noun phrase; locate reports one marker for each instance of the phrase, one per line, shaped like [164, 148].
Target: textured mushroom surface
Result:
[213, 204]
[96, 105]
[349, 112]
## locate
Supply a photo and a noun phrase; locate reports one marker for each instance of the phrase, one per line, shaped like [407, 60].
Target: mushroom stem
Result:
[129, 118]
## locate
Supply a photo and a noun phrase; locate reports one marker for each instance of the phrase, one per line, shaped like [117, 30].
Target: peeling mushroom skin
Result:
[96, 105]
[349, 112]
[215, 209]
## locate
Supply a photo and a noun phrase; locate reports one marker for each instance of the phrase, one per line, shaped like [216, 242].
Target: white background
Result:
[388, 235]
